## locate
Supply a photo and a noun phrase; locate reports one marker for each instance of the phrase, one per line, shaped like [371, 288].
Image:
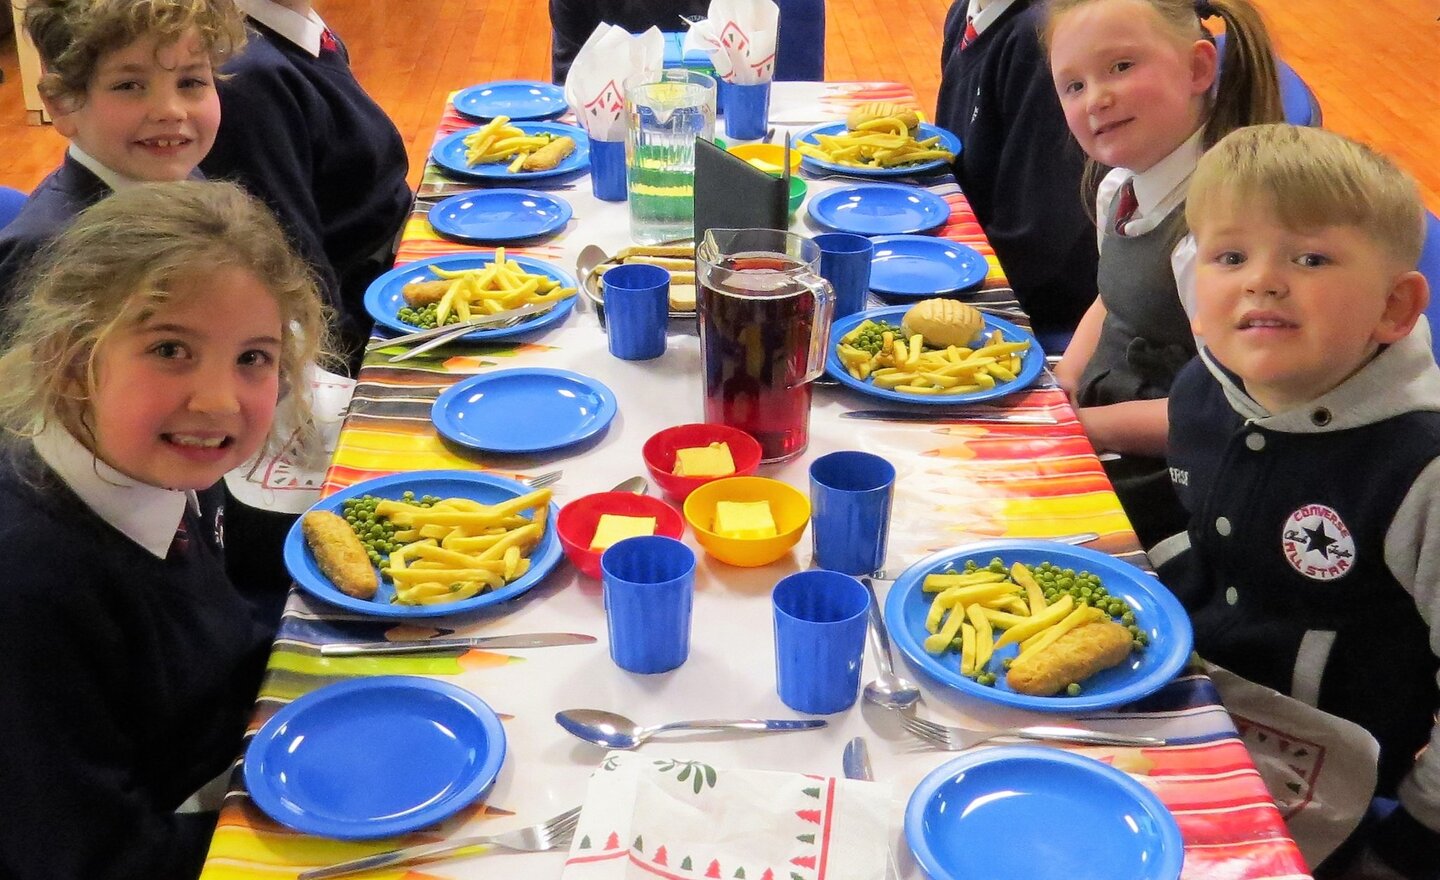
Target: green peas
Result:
[1073, 689]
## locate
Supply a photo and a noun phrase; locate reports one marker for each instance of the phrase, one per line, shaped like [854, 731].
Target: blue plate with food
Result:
[922, 266]
[392, 596]
[879, 209]
[812, 135]
[374, 757]
[499, 215]
[392, 294]
[1113, 588]
[450, 155]
[1026, 811]
[515, 99]
[1032, 359]
[529, 409]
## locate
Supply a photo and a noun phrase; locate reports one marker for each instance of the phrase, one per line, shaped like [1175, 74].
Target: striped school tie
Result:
[970, 34]
[1125, 209]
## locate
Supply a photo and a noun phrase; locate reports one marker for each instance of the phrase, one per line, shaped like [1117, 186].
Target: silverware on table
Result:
[550, 834]
[539, 481]
[455, 331]
[520, 640]
[615, 731]
[887, 689]
[949, 416]
[955, 739]
[856, 760]
[476, 322]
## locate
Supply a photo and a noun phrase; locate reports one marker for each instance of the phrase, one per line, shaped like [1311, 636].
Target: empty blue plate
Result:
[879, 209]
[374, 757]
[530, 409]
[922, 266]
[499, 215]
[1027, 811]
[449, 154]
[515, 98]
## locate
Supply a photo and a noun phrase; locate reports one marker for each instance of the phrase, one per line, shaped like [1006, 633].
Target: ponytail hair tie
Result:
[1204, 10]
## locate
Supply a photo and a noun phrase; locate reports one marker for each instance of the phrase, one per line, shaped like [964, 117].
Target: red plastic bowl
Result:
[660, 449]
[578, 519]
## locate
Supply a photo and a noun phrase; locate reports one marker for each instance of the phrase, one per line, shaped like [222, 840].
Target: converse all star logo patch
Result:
[1317, 543]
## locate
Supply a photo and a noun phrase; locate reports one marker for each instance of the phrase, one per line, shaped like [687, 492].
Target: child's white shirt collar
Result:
[147, 515]
[302, 30]
[983, 18]
[1158, 189]
[108, 176]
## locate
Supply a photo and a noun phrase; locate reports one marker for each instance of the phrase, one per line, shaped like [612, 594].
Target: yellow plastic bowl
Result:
[788, 505]
[769, 158]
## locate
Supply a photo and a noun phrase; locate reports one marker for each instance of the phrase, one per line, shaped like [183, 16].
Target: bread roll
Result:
[944, 322]
[882, 110]
[1074, 657]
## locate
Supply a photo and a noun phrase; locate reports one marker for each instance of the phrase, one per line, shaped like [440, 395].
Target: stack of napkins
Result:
[646, 817]
[740, 37]
[595, 86]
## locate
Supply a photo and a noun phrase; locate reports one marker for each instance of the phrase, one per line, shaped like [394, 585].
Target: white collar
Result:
[147, 515]
[302, 30]
[1162, 185]
[108, 176]
[986, 17]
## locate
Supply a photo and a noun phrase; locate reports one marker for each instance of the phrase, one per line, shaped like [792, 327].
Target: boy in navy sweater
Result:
[1305, 442]
[302, 134]
[1020, 168]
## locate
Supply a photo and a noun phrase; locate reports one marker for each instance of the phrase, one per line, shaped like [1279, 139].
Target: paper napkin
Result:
[646, 817]
[740, 37]
[595, 86]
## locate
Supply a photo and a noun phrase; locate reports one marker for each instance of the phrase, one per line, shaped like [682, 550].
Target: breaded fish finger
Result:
[550, 155]
[422, 293]
[1074, 657]
[339, 553]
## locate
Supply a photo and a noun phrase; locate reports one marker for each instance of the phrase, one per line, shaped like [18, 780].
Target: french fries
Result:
[878, 143]
[499, 141]
[981, 611]
[498, 287]
[909, 367]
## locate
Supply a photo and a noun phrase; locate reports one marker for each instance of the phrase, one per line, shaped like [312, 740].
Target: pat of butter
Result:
[704, 461]
[745, 519]
[614, 528]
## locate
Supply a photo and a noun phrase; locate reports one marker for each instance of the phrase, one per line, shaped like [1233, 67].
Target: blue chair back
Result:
[800, 47]
[1299, 102]
[1429, 266]
[11, 200]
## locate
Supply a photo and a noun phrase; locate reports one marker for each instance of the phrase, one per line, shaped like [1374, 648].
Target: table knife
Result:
[949, 417]
[523, 640]
[476, 323]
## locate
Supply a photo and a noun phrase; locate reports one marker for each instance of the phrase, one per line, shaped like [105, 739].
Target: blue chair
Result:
[11, 201]
[1299, 102]
[1429, 266]
[800, 46]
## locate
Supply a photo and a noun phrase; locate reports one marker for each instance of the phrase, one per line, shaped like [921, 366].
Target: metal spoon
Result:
[638, 485]
[887, 689]
[615, 731]
[590, 256]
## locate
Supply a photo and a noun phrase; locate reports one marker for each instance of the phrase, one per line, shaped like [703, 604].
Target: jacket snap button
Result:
[1222, 525]
[1232, 595]
[1256, 442]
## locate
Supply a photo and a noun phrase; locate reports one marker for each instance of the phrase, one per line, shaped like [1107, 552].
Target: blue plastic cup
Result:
[819, 637]
[850, 495]
[607, 170]
[845, 262]
[747, 110]
[637, 309]
[649, 585]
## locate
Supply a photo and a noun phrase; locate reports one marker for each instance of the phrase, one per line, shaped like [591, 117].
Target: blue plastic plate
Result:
[518, 99]
[1027, 811]
[879, 209]
[1157, 613]
[948, 141]
[485, 488]
[500, 215]
[529, 409]
[1032, 362]
[449, 154]
[373, 757]
[385, 296]
[922, 266]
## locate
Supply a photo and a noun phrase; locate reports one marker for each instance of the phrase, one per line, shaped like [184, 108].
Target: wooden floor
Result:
[1366, 59]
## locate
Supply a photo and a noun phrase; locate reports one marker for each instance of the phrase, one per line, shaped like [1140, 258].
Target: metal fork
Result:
[524, 313]
[954, 739]
[554, 832]
[541, 480]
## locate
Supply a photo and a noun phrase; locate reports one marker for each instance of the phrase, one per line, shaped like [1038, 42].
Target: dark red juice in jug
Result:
[755, 328]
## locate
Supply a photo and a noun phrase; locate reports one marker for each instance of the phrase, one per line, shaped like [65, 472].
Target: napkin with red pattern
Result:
[646, 817]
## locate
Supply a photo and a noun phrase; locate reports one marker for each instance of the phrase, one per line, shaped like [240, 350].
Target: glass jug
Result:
[764, 317]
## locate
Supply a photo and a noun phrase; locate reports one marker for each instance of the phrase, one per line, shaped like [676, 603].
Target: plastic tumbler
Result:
[637, 308]
[819, 637]
[850, 494]
[649, 585]
[665, 114]
[607, 170]
[747, 110]
[845, 262]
